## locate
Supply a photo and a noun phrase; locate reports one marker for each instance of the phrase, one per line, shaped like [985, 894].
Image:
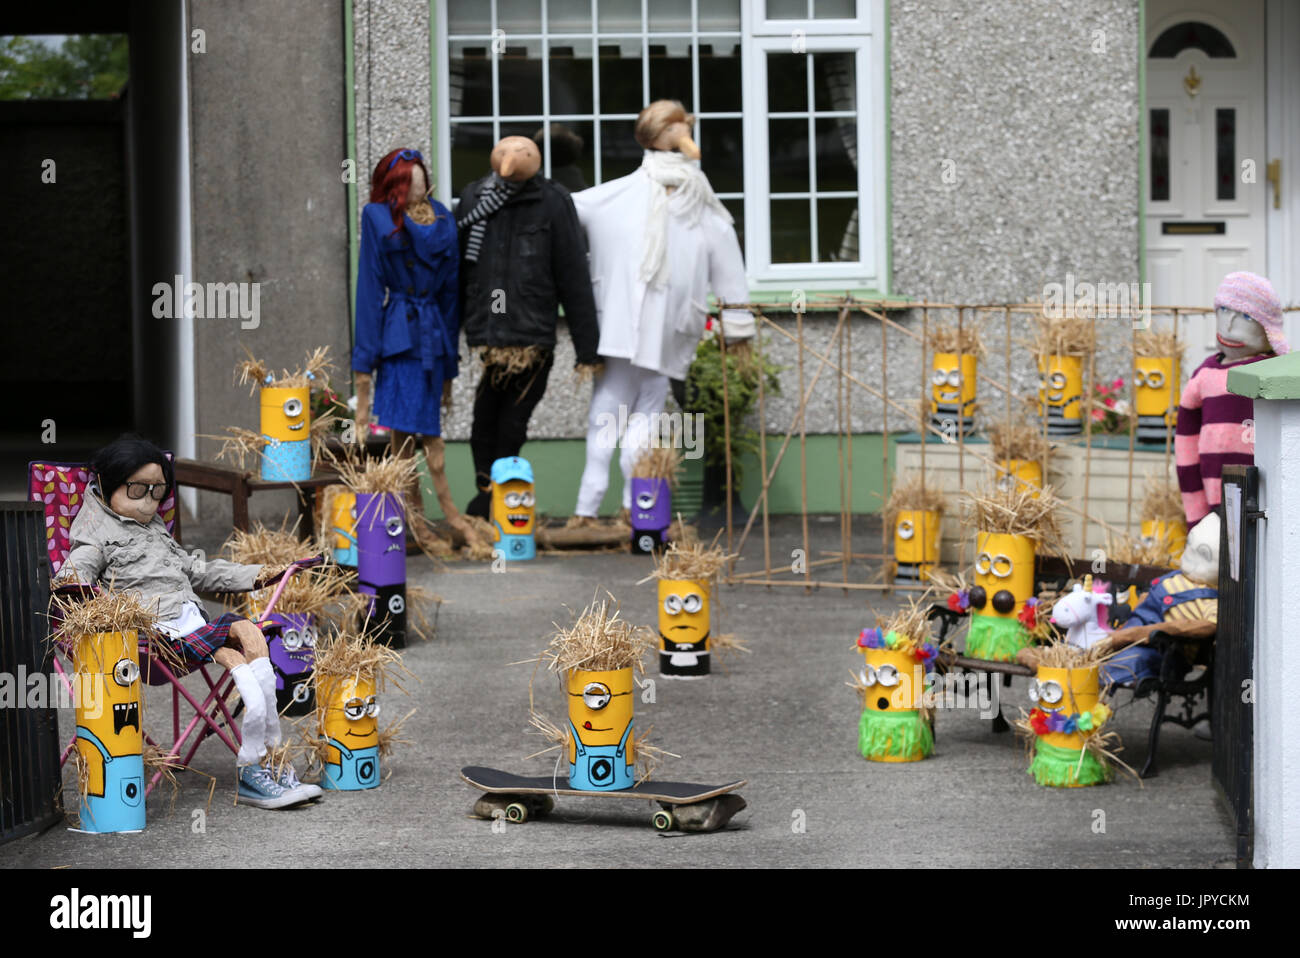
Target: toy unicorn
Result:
[1083, 613]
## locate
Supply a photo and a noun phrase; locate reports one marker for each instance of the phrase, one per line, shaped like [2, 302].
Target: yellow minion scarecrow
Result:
[895, 725]
[1010, 525]
[1157, 377]
[1062, 345]
[914, 513]
[1064, 727]
[954, 373]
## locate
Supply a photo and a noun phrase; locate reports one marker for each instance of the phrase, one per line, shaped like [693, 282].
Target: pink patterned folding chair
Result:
[61, 487]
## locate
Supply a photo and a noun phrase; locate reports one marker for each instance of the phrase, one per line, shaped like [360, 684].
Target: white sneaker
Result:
[290, 782]
[259, 789]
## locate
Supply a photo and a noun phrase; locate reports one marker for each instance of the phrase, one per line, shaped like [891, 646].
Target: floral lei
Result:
[1045, 722]
[923, 652]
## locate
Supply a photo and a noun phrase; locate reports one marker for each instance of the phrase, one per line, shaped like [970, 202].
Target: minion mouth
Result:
[297, 427]
[518, 520]
[124, 714]
[353, 734]
[392, 548]
[947, 395]
[587, 727]
[1055, 397]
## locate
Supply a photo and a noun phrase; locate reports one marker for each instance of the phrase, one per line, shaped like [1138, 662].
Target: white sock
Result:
[266, 679]
[253, 730]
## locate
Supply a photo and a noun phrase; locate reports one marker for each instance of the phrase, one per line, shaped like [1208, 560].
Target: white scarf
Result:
[691, 194]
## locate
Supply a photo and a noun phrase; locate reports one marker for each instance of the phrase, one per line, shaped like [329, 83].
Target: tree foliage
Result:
[92, 66]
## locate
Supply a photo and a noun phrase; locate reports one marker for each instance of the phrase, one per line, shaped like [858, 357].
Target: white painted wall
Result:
[1277, 653]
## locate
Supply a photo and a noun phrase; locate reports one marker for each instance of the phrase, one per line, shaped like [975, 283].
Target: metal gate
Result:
[1232, 705]
[30, 779]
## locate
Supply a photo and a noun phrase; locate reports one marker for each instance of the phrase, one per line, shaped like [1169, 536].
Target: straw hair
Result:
[357, 653]
[252, 372]
[911, 493]
[946, 338]
[694, 561]
[1158, 344]
[1065, 336]
[659, 462]
[1161, 499]
[599, 640]
[376, 474]
[505, 361]
[111, 611]
[1019, 440]
[1017, 512]
[1134, 550]
[1059, 654]
[319, 590]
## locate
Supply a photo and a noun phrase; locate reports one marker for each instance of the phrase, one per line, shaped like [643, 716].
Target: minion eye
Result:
[372, 707]
[692, 603]
[309, 637]
[125, 672]
[1155, 379]
[673, 604]
[645, 500]
[526, 499]
[1001, 566]
[353, 513]
[938, 377]
[291, 640]
[394, 526]
[887, 676]
[1042, 382]
[293, 408]
[869, 675]
[511, 500]
[595, 696]
[983, 562]
[355, 709]
[1050, 692]
[905, 529]
[954, 378]
[1058, 380]
[1140, 378]
[1033, 690]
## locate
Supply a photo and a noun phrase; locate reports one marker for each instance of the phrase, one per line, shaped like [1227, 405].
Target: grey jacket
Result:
[108, 549]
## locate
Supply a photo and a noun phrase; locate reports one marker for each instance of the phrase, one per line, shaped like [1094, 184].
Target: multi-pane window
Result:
[576, 82]
[780, 89]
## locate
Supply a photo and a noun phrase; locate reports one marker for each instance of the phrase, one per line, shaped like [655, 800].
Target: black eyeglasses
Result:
[406, 155]
[138, 490]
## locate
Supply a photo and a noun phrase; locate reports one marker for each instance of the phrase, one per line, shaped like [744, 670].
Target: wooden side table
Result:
[240, 484]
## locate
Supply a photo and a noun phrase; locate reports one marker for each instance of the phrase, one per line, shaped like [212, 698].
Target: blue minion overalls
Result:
[357, 769]
[348, 556]
[600, 768]
[121, 807]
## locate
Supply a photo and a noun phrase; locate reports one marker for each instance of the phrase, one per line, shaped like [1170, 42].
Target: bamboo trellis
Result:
[838, 358]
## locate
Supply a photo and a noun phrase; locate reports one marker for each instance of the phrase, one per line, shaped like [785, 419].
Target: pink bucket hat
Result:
[1255, 297]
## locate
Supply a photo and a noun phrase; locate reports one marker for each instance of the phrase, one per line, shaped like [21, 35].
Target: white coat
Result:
[658, 328]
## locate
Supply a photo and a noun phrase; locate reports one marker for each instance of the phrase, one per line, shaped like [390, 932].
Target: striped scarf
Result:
[493, 197]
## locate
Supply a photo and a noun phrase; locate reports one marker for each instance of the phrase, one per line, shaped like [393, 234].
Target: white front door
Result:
[1205, 162]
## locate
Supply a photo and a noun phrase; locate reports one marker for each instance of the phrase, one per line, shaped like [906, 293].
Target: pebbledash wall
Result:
[1033, 112]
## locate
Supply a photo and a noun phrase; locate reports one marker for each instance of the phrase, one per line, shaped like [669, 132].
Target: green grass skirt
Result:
[902, 734]
[995, 639]
[1055, 766]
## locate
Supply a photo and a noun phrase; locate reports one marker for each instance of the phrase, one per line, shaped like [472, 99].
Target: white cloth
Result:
[266, 680]
[692, 193]
[252, 732]
[658, 327]
[622, 400]
[190, 618]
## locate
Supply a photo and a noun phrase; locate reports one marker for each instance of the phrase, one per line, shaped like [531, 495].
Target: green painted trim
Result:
[1142, 141]
[350, 136]
[887, 281]
[1276, 378]
[558, 464]
[433, 84]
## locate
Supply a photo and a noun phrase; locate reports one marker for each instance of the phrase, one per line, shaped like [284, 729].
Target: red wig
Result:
[391, 183]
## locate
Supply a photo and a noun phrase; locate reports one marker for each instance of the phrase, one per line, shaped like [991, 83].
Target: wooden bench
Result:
[240, 485]
[1177, 650]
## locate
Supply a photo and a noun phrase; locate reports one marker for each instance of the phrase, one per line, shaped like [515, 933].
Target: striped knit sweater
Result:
[1212, 433]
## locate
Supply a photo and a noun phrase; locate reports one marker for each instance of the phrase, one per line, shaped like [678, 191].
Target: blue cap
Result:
[511, 467]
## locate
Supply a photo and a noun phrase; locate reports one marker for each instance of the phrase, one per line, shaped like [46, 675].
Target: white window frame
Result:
[864, 37]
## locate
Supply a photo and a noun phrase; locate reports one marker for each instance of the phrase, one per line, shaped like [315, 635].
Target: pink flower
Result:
[1118, 383]
[1109, 403]
[1098, 415]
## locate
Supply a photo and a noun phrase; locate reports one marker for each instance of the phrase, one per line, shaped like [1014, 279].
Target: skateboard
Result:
[682, 805]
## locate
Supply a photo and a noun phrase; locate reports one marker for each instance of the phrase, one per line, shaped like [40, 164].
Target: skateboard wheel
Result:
[662, 820]
[516, 812]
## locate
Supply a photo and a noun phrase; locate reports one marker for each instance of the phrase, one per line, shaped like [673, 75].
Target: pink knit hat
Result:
[1255, 297]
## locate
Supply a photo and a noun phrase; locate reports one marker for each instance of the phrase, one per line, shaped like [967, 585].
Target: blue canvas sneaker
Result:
[259, 789]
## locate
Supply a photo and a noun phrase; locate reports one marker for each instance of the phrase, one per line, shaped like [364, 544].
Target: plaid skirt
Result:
[198, 646]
